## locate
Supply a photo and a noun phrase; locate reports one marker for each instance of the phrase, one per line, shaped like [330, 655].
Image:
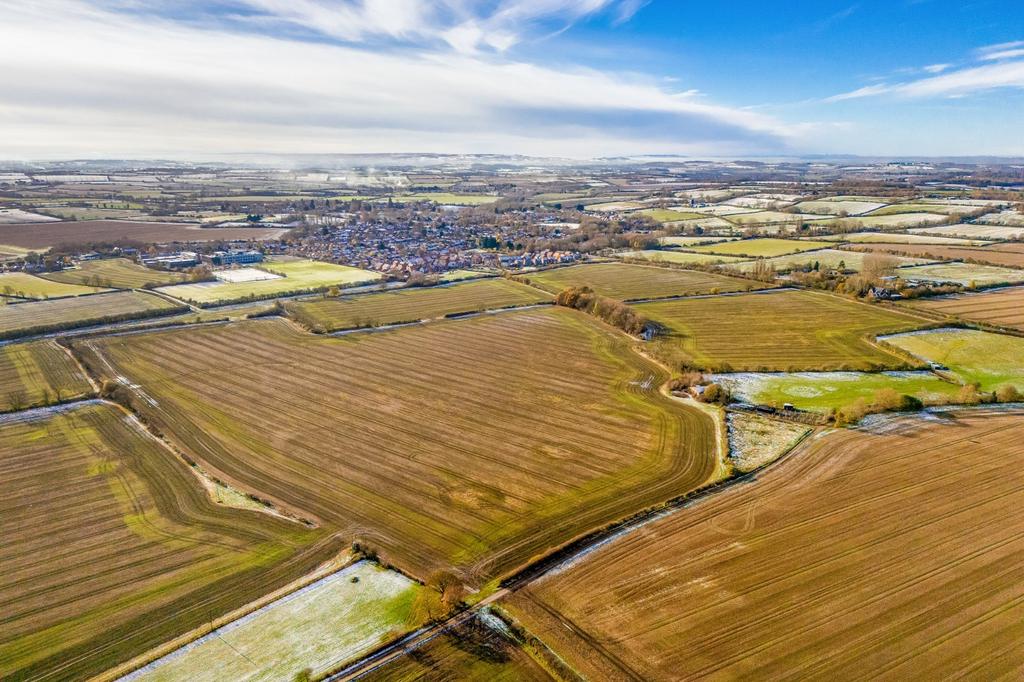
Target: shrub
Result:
[1008, 394]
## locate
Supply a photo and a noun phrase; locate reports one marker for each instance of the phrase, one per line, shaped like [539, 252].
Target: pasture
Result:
[41, 317]
[38, 373]
[987, 359]
[974, 231]
[1001, 307]
[786, 330]
[825, 258]
[112, 547]
[24, 285]
[1010, 218]
[297, 276]
[901, 220]
[475, 460]
[449, 199]
[760, 248]
[965, 274]
[42, 236]
[116, 273]
[823, 391]
[691, 241]
[942, 208]
[323, 625]
[866, 555]
[413, 304]
[626, 282]
[770, 217]
[665, 215]
[681, 257]
[839, 207]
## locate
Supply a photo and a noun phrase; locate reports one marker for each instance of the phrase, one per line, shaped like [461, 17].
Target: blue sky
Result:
[577, 78]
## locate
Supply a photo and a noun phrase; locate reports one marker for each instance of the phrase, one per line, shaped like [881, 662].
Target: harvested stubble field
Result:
[477, 460]
[111, 546]
[890, 221]
[411, 305]
[784, 330]
[35, 373]
[40, 317]
[297, 275]
[118, 273]
[1001, 307]
[666, 215]
[760, 248]
[901, 238]
[838, 207]
[769, 217]
[626, 282]
[24, 285]
[990, 256]
[42, 236]
[474, 651]
[887, 556]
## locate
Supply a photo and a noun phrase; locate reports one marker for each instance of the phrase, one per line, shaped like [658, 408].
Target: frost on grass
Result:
[755, 440]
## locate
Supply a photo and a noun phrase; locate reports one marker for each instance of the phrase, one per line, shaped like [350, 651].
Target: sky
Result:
[569, 78]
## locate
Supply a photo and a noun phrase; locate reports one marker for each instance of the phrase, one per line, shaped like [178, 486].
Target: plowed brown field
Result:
[1002, 307]
[893, 555]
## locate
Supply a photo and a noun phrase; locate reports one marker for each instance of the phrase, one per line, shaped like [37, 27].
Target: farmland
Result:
[411, 305]
[769, 217]
[24, 319]
[118, 273]
[24, 285]
[823, 391]
[475, 460]
[902, 238]
[1002, 307]
[128, 552]
[936, 252]
[296, 276]
[825, 258]
[449, 198]
[990, 360]
[864, 555]
[41, 236]
[850, 207]
[475, 651]
[900, 220]
[38, 373]
[760, 248]
[944, 209]
[664, 215]
[966, 274]
[755, 440]
[974, 231]
[319, 627]
[680, 257]
[773, 331]
[691, 241]
[627, 282]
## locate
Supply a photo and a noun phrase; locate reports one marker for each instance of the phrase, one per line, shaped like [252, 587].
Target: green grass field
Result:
[333, 621]
[460, 275]
[760, 248]
[665, 215]
[693, 241]
[991, 360]
[683, 257]
[944, 209]
[297, 276]
[413, 304]
[24, 285]
[116, 273]
[627, 282]
[773, 331]
[822, 391]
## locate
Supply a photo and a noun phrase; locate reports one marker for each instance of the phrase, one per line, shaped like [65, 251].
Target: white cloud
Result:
[79, 80]
[937, 68]
[1002, 51]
